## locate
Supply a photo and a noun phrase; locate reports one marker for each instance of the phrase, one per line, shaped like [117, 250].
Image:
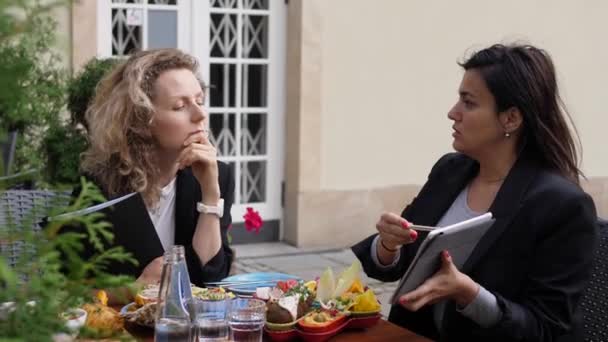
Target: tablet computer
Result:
[459, 238]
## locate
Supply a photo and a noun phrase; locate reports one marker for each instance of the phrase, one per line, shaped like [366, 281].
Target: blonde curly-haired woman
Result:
[147, 131]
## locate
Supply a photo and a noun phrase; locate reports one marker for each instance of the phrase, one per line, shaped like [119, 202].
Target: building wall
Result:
[375, 84]
[84, 32]
[63, 35]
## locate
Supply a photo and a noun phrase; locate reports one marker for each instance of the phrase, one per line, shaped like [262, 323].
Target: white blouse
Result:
[163, 215]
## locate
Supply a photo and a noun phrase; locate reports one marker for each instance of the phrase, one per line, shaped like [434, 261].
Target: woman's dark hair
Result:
[523, 76]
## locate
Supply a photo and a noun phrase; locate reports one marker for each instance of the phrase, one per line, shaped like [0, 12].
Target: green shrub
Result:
[65, 142]
[82, 87]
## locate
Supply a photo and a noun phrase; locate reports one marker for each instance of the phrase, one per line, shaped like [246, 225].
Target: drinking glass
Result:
[246, 319]
[209, 319]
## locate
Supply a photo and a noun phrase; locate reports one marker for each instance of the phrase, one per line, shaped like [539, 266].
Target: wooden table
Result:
[383, 331]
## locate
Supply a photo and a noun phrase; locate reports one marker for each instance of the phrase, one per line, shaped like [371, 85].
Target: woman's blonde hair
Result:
[122, 152]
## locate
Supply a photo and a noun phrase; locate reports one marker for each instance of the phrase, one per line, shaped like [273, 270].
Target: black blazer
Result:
[536, 258]
[134, 230]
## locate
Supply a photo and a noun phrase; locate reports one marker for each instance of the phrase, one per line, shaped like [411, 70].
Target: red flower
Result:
[287, 284]
[253, 220]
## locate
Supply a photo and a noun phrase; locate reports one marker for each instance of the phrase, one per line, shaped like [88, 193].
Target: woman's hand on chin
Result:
[199, 154]
[447, 283]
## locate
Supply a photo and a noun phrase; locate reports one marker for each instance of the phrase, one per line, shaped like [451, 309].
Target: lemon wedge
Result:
[311, 285]
[146, 296]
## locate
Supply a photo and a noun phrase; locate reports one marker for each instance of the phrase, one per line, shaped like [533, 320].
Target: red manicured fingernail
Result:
[405, 225]
[413, 235]
[446, 254]
[403, 301]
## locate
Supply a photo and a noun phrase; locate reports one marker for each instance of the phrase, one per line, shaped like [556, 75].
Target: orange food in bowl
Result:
[146, 296]
[321, 320]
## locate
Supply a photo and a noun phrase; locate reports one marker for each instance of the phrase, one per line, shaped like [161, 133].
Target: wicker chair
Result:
[24, 209]
[594, 304]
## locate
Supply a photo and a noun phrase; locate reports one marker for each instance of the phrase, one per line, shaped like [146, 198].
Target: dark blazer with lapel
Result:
[134, 230]
[535, 259]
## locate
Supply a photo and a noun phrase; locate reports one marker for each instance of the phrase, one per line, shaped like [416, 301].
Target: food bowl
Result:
[363, 322]
[291, 331]
[139, 316]
[74, 319]
[325, 334]
[305, 325]
[281, 326]
[364, 313]
[281, 335]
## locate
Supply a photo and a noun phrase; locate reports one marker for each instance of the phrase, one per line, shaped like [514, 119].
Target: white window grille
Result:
[125, 26]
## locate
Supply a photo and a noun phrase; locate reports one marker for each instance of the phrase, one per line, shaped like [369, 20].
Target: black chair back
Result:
[594, 303]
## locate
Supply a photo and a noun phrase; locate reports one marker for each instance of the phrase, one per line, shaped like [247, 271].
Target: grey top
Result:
[484, 309]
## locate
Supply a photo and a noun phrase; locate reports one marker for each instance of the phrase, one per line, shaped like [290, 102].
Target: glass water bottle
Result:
[172, 317]
[180, 255]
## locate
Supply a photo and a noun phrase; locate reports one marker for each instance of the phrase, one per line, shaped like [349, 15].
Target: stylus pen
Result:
[421, 228]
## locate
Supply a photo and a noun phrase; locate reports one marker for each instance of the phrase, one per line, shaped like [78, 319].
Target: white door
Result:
[241, 47]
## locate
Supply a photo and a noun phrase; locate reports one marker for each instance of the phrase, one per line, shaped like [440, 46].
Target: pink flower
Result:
[253, 220]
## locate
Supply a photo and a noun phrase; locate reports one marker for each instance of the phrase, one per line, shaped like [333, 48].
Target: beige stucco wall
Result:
[63, 36]
[389, 77]
[376, 81]
[84, 32]
[76, 33]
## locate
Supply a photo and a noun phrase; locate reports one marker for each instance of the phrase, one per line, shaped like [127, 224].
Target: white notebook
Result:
[459, 239]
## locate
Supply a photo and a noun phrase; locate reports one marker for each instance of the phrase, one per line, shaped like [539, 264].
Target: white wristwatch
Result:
[211, 209]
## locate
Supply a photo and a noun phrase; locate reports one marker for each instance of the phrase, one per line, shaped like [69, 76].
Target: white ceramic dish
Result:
[77, 321]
